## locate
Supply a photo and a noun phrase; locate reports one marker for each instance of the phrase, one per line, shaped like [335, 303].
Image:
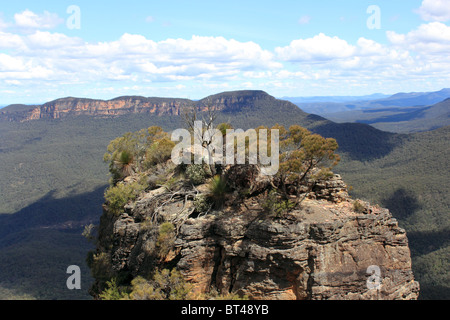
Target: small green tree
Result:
[158, 152]
[201, 203]
[113, 292]
[165, 285]
[137, 151]
[119, 195]
[301, 152]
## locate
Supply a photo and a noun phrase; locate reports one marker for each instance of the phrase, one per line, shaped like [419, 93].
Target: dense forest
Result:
[53, 183]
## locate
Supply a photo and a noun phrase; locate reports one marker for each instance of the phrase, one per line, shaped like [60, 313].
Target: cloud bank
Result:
[33, 55]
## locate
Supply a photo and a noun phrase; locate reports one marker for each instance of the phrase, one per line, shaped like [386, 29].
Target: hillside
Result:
[329, 106]
[401, 120]
[49, 170]
[412, 99]
[412, 181]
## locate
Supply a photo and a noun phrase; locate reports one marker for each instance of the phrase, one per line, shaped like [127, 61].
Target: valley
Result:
[53, 179]
[399, 113]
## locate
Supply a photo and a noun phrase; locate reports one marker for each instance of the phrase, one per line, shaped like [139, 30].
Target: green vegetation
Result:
[275, 206]
[113, 292]
[201, 203]
[54, 174]
[358, 207]
[196, 173]
[166, 239]
[52, 185]
[164, 285]
[137, 151]
[303, 151]
[119, 195]
[218, 189]
[412, 181]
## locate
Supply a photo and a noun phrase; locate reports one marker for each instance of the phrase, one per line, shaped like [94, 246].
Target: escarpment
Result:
[70, 106]
[249, 242]
[64, 107]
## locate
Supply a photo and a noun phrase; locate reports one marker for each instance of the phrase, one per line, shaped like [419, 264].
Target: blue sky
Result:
[195, 48]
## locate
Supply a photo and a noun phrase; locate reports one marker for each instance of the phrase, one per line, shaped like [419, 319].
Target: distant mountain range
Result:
[399, 119]
[335, 99]
[401, 112]
[412, 99]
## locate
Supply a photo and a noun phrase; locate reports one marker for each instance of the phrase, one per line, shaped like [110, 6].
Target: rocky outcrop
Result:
[322, 249]
[232, 101]
[119, 106]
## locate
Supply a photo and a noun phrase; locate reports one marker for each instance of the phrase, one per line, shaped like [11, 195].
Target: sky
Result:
[192, 49]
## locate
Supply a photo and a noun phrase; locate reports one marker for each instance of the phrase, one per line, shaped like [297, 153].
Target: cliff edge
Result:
[328, 246]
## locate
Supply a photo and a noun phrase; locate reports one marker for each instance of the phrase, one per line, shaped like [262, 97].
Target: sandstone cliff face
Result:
[127, 105]
[321, 250]
[89, 107]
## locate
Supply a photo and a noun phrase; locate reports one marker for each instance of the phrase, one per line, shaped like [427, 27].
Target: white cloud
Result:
[9, 63]
[50, 59]
[435, 10]
[33, 21]
[3, 24]
[48, 40]
[135, 58]
[19, 68]
[11, 41]
[319, 48]
[431, 38]
[304, 19]
[330, 61]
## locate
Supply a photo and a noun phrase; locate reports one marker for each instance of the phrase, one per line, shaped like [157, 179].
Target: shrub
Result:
[218, 189]
[137, 151]
[196, 173]
[358, 207]
[201, 204]
[276, 207]
[113, 292]
[165, 285]
[323, 174]
[166, 239]
[159, 152]
[223, 128]
[100, 266]
[88, 233]
[119, 195]
[301, 152]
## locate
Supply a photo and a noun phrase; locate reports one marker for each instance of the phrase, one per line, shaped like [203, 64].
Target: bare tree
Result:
[202, 133]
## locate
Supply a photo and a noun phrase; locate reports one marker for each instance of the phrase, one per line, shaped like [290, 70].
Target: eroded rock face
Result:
[116, 107]
[314, 254]
[71, 106]
[321, 250]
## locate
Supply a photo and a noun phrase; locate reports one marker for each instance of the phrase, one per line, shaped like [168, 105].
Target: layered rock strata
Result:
[321, 250]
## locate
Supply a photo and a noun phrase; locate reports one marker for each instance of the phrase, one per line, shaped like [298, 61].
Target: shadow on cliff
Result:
[402, 203]
[51, 212]
[40, 241]
[359, 141]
